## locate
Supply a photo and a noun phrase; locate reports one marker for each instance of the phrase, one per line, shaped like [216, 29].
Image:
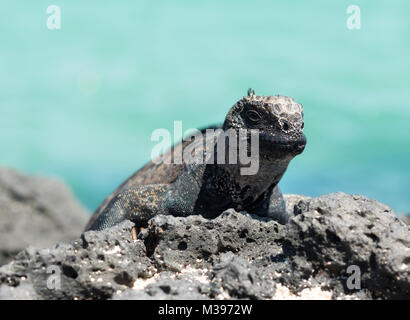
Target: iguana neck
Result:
[227, 182]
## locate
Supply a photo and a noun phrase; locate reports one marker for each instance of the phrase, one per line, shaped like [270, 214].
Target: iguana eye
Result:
[253, 116]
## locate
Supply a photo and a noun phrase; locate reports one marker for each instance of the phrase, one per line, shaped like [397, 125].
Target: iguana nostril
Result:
[303, 125]
[285, 126]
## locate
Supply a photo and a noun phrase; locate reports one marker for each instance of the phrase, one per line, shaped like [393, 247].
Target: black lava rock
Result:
[234, 256]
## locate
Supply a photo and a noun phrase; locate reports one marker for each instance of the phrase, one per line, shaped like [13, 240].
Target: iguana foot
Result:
[137, 204]
[273, 206]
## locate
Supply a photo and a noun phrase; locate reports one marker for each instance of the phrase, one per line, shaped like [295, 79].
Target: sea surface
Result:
[81, 103]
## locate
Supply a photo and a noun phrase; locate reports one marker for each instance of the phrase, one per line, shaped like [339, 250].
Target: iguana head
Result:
[279, 120]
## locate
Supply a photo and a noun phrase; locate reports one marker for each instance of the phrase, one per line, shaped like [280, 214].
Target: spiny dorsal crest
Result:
[279, 104]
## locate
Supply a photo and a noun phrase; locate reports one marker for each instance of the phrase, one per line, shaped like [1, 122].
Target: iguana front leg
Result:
[138, 204]
[273, 206]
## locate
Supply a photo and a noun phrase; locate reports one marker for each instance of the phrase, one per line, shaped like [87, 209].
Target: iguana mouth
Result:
[276, 143]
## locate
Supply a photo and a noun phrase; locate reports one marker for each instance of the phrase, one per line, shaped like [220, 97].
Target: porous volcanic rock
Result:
[234, 256]
[335, 231]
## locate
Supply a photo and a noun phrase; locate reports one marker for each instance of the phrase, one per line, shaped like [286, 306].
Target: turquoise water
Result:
[81, 103]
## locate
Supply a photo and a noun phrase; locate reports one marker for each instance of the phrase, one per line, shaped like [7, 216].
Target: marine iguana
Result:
[182, 188]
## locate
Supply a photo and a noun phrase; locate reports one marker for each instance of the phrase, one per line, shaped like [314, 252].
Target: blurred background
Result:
[80, 103]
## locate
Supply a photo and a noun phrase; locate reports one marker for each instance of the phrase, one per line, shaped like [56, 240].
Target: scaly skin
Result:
[181, 188]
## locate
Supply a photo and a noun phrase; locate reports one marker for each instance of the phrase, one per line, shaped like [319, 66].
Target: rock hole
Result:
[243, 233]
[373, 237]
[332, 237]
[373, 262]
[69, 272]
[166, 289]
[124, 278]
[182, 246]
